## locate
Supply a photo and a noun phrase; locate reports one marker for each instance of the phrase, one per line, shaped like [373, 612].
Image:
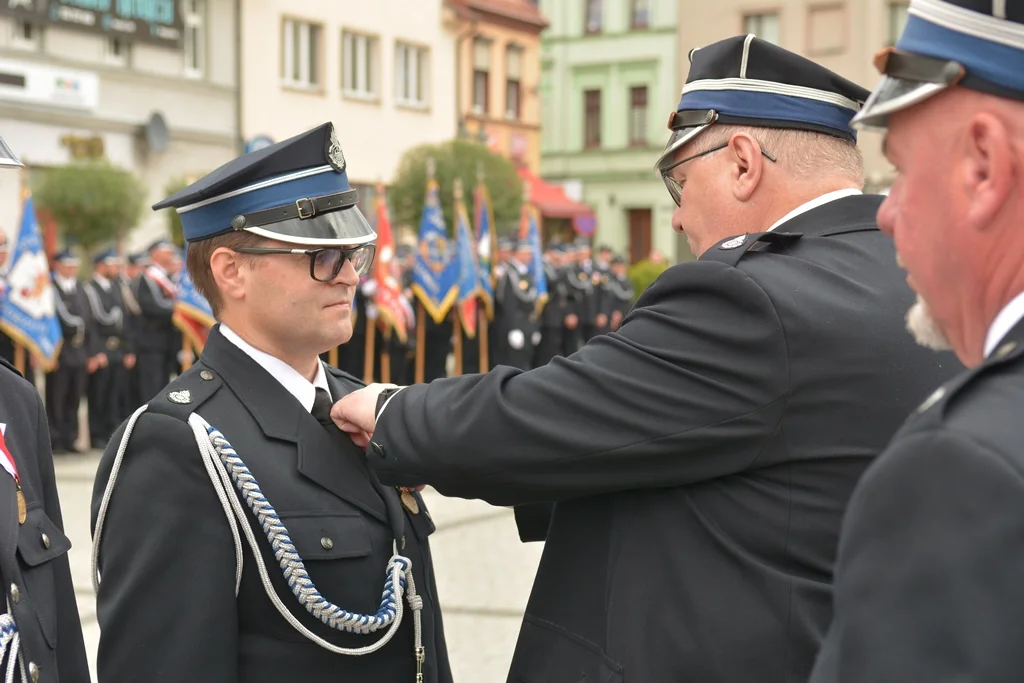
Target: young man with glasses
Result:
[238, 535]
[701, 456]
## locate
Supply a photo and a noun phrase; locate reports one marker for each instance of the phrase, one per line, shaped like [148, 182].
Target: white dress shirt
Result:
[297, 385]
[1005, 321]
[815, 203]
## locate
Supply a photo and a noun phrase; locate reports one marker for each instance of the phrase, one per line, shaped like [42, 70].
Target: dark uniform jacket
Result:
[702, 455]
[155, 327]
[928, 577]
[34, 568]
[166, 604]
[109, 314]
[77, 325]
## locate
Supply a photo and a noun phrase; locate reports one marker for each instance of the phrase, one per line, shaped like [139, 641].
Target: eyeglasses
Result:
[325, 263]
[674, 188]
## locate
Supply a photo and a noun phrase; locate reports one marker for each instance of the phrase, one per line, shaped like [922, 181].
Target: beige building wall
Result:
[842, 35]
[299, 70]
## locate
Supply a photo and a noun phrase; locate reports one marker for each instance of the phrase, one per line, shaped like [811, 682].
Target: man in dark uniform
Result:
[552, 318]
[517, 295]
[577, 288]
[128, 282]
[277, 246]
[66, 384]
[618, 293]
[157, 341]
[108, 382]
[588, 294]
[496, 330]
[928, 576]
[703, 454]
[40, 632]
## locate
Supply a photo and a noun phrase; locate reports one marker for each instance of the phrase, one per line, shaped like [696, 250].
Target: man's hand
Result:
[602, 319]
[356, 413]
[571, 321]
[129, 361]
[616, 319]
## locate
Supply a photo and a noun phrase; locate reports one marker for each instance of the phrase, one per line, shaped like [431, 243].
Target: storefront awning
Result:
[551, 200]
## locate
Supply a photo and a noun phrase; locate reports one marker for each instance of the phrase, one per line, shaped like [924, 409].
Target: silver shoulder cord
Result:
[10, 647]
[109, 318]
[226, 469]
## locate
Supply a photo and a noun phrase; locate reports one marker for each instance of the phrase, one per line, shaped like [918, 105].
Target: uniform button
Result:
[15, 593]
[1006, 349]
[326, 543]
[377, 448]
[206, 374]
[46, 541]
[33, 672]
[403, 542]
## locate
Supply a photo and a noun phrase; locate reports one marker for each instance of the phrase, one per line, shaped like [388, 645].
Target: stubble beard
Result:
[921, 323]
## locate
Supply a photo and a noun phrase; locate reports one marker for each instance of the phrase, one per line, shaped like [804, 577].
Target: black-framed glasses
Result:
[675, 189]
[326, 262]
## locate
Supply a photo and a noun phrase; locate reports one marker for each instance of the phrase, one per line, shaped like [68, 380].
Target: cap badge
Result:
[335, 157]
[734, 242]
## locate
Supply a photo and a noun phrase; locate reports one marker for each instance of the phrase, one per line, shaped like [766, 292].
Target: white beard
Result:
[922, 325]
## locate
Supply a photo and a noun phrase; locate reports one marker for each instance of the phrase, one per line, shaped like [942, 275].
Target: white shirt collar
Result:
[297, 385]
[1005, 321]
[67, 284]
[101, 281]
[815, 203]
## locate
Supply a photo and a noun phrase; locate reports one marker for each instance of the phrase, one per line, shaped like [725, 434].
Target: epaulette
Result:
[183, 396]
[732, 249]
[6, 363]
[338, 372]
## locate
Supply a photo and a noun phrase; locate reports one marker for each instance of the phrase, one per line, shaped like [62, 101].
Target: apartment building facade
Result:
[147, 85]
[843, 35]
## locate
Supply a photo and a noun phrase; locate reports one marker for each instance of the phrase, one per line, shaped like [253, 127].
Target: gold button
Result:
[206, 374]
[33, 672]
[1006, 349]
[15, 593]
[46, 541]
[326, 543]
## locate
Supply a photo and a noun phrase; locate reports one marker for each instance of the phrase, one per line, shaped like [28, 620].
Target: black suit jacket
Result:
[928, 578]
[702, 455]
[155, 331]
[166, 604]
[110, 318]
[78, 326]
[45, 612]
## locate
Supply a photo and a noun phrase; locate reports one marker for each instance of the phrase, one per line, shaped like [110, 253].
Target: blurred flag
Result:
[192, 313]
[435, 278]
[388, 294]
[28, 312]
[469, 273]
[487, 246]
[529, 229]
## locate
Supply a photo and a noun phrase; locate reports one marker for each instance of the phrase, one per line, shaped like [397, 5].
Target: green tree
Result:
[642, 273]
[92, 202]
[456, 158]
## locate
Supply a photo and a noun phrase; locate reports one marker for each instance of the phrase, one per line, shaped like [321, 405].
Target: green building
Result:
[610, 78]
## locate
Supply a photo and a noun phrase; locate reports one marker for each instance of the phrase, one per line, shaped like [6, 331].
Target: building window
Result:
[300, 67]
[593, 21]
[481, 75]
[117, 52]
[897, 20]
[359, 65]
[640, 14]
[195, 38]
[592, 118]
[513, 81]
[764, 25]
[638, 115]
[411, 69]
[26, 35]
[826, 29]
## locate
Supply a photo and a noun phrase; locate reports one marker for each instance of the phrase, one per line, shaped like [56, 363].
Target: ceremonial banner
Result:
[529, 229]
[469, 273]
[388, 294]
[28, 312]
[487, 246]
[192, 313]
[435, 278]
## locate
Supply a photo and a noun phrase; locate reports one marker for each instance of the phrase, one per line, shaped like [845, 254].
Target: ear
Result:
[230, 273]
[747, 165]
[988, 169]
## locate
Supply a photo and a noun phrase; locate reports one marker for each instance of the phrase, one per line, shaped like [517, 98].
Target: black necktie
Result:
[322, 409]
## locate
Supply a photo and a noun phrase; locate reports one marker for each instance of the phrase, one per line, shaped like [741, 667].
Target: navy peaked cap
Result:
[295, 191]
[748, 81]
[108, 256]
[68, 257]
[976, 44]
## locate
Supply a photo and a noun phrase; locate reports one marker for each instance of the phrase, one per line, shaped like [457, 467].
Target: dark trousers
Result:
[552, 343]
[65, 387]
[108, 389]
[153, 374]
[133, 398]
[571, 341]
[7, 352]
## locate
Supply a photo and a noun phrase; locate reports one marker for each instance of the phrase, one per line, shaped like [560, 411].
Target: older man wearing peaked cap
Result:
[928, 580]
[698, 459]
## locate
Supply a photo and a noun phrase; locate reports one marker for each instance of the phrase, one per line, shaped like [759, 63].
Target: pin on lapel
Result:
[409, 501]
[184, 397]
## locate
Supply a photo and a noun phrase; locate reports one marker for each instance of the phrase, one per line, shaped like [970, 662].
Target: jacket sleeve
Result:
[691, 387]
[152, 301]
[166, 601]
[72, 665]
[928, 576]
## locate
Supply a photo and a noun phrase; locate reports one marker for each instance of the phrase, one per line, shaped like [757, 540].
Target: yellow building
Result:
[497, 68]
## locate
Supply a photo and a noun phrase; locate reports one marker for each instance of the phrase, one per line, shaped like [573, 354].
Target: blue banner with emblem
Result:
[529, 229]
[436, 276]
[192, 313]
[469, 273]
[28, 311]
[487, 246]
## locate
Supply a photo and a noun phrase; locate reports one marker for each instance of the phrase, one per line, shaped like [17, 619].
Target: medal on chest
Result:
[409, 501]
[7, 462]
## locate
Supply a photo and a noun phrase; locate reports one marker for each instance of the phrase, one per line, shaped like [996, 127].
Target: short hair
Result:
[805, 154]
[197, 262]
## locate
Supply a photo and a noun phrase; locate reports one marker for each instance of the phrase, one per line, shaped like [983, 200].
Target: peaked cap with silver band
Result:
[976, 44]
[748, 81]
[295, 191]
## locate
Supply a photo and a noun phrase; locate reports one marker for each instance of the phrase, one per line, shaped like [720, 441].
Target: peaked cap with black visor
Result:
[747, 81]
[974, 44]
[294, 191]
